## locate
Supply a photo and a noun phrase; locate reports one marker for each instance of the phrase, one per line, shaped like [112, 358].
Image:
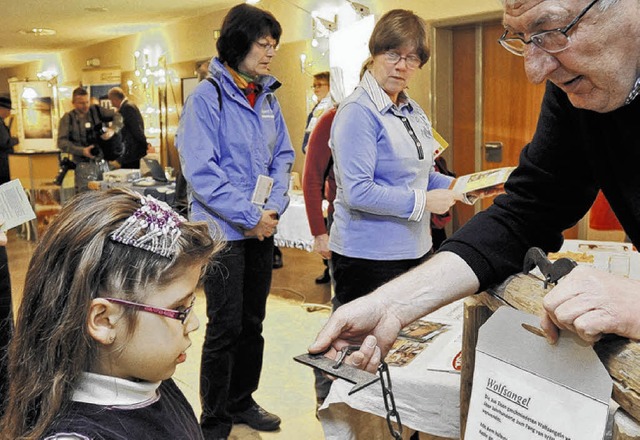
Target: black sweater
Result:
[573, 154]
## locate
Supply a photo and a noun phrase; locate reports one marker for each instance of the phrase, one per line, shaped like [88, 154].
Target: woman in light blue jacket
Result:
[232, 132]
[383, 150]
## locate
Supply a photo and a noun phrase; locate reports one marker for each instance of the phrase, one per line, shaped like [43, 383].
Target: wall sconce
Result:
[329, 25]
[360, 9]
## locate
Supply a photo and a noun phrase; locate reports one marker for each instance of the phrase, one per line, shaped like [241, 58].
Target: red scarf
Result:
[251, 92]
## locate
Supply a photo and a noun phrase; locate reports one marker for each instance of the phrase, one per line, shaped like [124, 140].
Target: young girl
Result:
[104, 321]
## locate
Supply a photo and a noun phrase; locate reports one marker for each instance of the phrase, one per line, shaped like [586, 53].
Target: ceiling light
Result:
[37, 31]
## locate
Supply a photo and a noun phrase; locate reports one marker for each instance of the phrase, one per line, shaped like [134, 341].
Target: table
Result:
[165, 192]
[293, 229]
[426, 392]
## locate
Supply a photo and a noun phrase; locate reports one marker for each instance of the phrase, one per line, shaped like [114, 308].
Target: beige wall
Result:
[185, 42]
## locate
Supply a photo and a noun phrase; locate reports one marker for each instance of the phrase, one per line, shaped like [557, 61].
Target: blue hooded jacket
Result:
[225, 144]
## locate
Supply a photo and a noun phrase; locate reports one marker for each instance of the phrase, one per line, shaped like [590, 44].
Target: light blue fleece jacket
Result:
[383, 162]
[225, 144]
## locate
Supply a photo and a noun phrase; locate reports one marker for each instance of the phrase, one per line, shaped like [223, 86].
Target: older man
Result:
[588, 52]
[133, 137]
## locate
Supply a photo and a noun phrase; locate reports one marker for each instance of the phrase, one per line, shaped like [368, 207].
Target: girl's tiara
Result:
[154, 227]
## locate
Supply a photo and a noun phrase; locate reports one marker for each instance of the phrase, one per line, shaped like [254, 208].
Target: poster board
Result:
[35, 104]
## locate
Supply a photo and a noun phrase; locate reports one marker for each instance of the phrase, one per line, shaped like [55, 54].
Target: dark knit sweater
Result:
[573, 154]
[168, 417]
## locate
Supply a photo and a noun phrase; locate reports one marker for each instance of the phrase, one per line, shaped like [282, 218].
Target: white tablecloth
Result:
[293, 229]
[427, 399]
[603, 251]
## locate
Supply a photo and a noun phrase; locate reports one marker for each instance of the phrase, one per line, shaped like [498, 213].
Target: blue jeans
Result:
[236, 288]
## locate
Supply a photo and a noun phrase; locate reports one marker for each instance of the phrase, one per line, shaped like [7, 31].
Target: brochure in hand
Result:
[482, 184]
[15, 208]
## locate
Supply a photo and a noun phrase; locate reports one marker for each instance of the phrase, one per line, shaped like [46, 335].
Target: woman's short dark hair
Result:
[400, 28]
[242, 26]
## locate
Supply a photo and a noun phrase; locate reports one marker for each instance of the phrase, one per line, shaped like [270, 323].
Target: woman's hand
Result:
[321, 246]
[265, 227]
[440, 200]
[3, 236]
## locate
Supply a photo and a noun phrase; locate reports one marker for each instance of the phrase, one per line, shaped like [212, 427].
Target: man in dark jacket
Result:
[6, 146]
[135, 142]
[6, 141]
[90, 134]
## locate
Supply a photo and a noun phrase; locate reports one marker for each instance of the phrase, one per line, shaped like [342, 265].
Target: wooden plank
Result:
[477, 309]
[624, 427]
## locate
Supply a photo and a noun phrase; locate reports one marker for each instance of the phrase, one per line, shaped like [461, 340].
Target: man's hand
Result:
[321, 246]
[591, 303]
[366, 322]
[86, 152]
[107, 134]
[265, 227]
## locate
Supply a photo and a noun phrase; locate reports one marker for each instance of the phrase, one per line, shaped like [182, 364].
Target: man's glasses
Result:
[180, 315]
[553, 41]
[412, 61]
[319, 85]
[267, 46]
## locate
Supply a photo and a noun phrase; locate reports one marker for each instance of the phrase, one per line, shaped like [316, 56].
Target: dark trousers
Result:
[356, 277]
[236, 288]
[6, 323]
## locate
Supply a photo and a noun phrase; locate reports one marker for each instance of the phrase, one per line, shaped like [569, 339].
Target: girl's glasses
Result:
[180, 315]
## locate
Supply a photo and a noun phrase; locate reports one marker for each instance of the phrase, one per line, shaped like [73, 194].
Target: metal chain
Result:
[389, 402]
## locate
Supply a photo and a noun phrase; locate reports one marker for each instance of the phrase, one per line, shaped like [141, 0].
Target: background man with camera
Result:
[90, 134]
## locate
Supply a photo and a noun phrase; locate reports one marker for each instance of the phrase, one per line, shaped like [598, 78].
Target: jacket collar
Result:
[380, 99]
[218, 71]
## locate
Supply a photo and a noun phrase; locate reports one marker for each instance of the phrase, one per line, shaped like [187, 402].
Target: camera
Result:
[111, 148]
[65, 165]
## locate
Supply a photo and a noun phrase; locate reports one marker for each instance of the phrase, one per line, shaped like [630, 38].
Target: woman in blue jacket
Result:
[232, 132]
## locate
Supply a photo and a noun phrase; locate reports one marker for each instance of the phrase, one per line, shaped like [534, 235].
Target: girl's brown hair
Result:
[74, 263]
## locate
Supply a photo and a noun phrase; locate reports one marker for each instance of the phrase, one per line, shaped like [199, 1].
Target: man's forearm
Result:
[441, 280]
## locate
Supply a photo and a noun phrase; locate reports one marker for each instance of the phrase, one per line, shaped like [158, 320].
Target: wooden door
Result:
[506, 109]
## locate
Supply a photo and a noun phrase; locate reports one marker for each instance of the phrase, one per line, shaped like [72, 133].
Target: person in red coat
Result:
[319, 183]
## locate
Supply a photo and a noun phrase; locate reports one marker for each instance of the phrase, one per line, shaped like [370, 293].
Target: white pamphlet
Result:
[262, 191]
[15, 208]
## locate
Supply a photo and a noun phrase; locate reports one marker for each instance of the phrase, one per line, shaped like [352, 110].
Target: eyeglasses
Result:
[180, 315]
[317, 86]
[267, 46]
[553, 41]
[412, 61]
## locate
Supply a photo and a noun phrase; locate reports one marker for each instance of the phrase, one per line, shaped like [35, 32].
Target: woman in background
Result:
[382, 146]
